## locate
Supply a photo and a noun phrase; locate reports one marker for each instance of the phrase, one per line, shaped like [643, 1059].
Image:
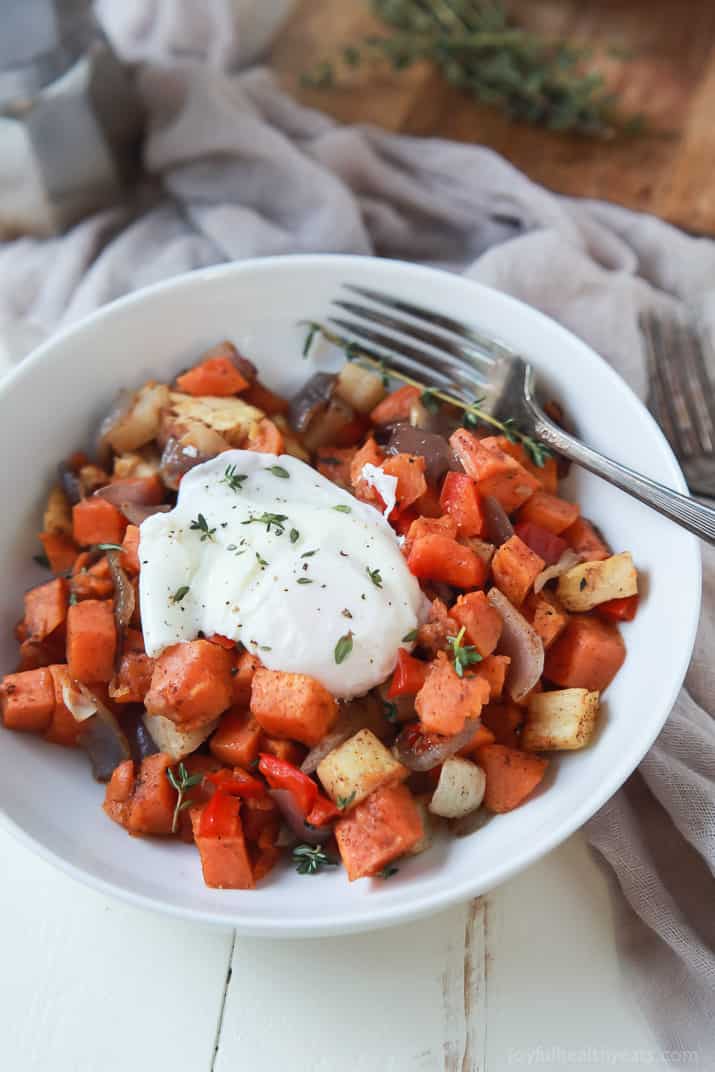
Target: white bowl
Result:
[51, 405]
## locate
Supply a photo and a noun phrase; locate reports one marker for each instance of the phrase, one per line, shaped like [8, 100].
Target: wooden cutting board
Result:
[658, 54]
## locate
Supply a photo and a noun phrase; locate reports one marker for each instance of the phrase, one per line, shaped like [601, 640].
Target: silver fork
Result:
[463, 361]
[682, 395]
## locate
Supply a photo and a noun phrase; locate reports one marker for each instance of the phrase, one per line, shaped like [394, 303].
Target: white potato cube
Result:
[230, 417]
[563, 720]
[357, 768]
[176, 743]
[460, 788]
[359, 387]
[590, 583]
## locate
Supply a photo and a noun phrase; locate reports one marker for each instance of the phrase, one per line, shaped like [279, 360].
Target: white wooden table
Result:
[525, 977]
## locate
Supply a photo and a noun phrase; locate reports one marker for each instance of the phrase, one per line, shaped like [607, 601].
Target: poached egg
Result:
[265, 550]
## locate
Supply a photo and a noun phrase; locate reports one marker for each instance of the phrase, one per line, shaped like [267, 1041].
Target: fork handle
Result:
[685, 511]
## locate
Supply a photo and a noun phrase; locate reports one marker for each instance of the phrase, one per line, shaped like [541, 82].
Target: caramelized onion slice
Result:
[521, 643]
[124, 599]
[421, 751]
[568, 559]
[497, 526]
[434, 448]
[314, 835]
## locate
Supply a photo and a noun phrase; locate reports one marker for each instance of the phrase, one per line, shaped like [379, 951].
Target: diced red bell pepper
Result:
[409, 675]
[619, 610]
[236, 783]
[460, 499]
[542, 542]
[322, 812]
[283, 775]
[402, 519]
[219, 818]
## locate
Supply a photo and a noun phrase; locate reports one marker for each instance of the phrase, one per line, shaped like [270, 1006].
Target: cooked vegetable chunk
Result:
[237, 741]
[549, 512]
[225, 862]
[590, 583]
[46, 608]
[27, 700]
[359, 387]
[386, 825]
[587, 655]
[91, 641]
[446, 701]
[292, 705]
[357, 767]
[561, 720]
[515, 568]
[97, 521]
[511, 776]
[460, 789]
[481, 621]
[191, 683]
[546, 616]
[173, 741]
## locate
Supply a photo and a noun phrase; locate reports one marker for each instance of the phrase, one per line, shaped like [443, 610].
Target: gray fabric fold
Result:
[236, 169]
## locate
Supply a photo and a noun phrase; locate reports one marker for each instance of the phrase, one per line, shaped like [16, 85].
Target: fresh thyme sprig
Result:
[232, 479]
[180, 593]
[275, 520]
[181, 781]
[473, 414]
[343, 647]
[200, 524]
[375, 576]
[477, 48]
[310, 859]
[464, 654]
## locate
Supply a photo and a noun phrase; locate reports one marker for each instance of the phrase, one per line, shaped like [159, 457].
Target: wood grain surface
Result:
[658, 54]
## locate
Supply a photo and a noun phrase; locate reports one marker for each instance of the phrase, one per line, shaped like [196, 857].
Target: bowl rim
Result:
[368, 916]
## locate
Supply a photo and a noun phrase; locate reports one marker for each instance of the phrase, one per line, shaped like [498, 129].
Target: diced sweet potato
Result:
[27, 700]
[505, 721]
[460, 499]
[588, 654]
[446, 701]
[428, 526]
[439, 558]
[496, 473]
[434, 634]
[292, 705]
[582, 537]
[237, 740]
[410, 472]
[481, 621]
[192, 683]
[119, 792]
[289, 751]
[216, 375]
[246, 666]
[97, 521]
[396, 407]
[130, 556]
[545, 615]
[335, 463]
[549, 512]
[151, 810]
[133, 679]
[386, 825]
[515, 568]
[482, 735]
[263, 398]
[512, 775]
[265, 437]
[46, 608]
[91, 641]
[368, 454]
[61, 550]
[493, 670]
[225, 861]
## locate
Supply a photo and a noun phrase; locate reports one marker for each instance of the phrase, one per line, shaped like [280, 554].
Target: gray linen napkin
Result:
[241, 171]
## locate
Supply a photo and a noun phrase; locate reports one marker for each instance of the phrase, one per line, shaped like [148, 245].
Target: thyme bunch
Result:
[477, 48]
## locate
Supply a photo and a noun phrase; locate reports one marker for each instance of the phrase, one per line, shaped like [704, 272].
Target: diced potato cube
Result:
[145, 462]
[590, 583]
[232, 418]
[174, 742]
[140, 423]
[560, 721]
[357, 767]
[460, 789]
[359, 387]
